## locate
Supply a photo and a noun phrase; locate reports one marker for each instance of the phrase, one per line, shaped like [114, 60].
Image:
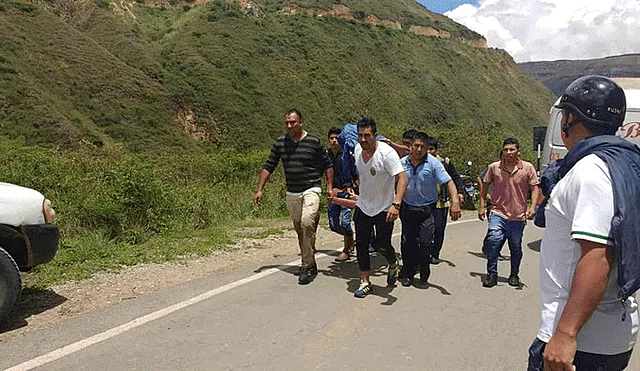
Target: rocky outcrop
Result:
[479, 43]
[429, 31]
[186, 118]
[344, 12]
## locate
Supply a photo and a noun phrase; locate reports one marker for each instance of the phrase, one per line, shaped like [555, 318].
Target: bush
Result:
[129, 197]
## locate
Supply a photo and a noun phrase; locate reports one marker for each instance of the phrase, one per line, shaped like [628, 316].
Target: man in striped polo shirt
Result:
[304, 160]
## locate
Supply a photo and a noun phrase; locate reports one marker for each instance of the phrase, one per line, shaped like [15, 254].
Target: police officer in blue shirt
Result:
[424, 172]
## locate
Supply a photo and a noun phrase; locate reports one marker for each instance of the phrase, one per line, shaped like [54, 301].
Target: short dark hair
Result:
[432, 142]
[296, 111]
[368, 122]
[420, 135]
[597, 129]
[409, 134]
[510, 140]
[334, 130]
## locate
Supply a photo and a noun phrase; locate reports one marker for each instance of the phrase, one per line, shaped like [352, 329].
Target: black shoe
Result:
[307, 275]
[297, 270]
[514, 281]
[435, 261]
[405, 281]
[489, 281]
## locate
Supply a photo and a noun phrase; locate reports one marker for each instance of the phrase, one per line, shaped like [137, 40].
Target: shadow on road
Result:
[423, 286]
[349, 271]
[481, 256]
[32, 301]
[500, 279]
[381, 291]
[534, 245]
[477, 254]
[449, 262]
[291, 269]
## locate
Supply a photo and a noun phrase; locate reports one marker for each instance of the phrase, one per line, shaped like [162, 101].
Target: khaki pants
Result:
[305, 214]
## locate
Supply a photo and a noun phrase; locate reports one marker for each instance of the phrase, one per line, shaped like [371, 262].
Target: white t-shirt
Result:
[377, 178]
[581, 207]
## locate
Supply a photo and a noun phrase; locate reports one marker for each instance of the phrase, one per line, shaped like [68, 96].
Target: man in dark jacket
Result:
[339, 216]
[444, 201]
[589, 256]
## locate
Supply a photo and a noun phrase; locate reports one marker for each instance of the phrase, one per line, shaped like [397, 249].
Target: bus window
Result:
[556, 139]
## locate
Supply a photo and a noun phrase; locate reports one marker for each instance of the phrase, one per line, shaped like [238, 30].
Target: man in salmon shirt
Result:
[512, 178]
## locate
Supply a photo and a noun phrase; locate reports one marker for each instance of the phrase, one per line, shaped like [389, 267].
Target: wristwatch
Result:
[396, 205]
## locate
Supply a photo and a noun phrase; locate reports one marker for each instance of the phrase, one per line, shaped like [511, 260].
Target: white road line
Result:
[113, 332]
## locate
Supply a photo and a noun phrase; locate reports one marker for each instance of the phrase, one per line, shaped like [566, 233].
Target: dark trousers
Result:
[364, 227]
[417, 237]
[439, 225]
[582, 360]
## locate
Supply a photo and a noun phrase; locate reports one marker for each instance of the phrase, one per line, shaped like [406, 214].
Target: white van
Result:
[553, 148]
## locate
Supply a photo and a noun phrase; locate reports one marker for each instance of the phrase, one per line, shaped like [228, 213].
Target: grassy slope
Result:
[115, 78]
[64, 86]
[244, 72]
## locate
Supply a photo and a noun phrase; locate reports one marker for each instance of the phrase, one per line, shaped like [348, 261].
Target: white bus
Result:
[553, 149]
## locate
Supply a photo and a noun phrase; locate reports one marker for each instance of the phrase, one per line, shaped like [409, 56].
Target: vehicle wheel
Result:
[468, 202]
[10, 285]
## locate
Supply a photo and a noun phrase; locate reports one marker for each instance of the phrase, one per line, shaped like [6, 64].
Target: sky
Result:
[441, 6]
[535, 30]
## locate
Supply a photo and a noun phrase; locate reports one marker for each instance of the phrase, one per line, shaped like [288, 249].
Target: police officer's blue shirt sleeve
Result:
[439, 172]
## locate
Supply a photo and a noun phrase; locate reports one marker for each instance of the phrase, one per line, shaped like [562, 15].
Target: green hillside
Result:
[107, 74]
[146, 122]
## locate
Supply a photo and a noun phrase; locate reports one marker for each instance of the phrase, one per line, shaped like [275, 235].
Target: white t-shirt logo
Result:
[372, 171]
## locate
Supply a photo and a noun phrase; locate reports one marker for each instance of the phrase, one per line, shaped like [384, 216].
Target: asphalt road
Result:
[259, 318]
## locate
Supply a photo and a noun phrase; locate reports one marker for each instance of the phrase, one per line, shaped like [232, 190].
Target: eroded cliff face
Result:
[336, 10]
[344, 12]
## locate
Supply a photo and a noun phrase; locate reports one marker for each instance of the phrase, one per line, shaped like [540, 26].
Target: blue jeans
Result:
[339, 217]
[501, 229]
[582, 360]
